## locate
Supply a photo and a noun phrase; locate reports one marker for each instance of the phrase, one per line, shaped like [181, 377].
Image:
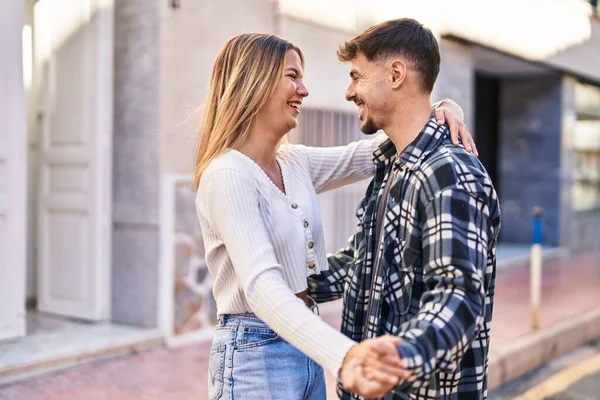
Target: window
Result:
[586, 144]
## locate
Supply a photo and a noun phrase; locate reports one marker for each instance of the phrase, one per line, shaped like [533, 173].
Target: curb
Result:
[548, 255]
[538, 348]
[17, 373]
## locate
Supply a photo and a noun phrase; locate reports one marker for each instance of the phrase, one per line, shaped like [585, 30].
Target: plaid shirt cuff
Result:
[413, 363]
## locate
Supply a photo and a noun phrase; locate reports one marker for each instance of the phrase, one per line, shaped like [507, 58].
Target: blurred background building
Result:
[99, 108]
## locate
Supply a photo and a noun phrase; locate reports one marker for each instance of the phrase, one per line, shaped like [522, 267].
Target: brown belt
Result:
[304, 296]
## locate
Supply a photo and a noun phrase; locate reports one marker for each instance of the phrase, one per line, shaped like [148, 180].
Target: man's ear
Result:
[397, 73]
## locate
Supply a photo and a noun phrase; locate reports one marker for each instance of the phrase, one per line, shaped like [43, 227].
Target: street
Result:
[574, 376]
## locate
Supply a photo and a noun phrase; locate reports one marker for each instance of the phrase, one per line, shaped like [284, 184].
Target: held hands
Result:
[373, 367]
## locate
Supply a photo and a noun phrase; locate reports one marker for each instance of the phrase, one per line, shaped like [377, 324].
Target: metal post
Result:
[536, 268]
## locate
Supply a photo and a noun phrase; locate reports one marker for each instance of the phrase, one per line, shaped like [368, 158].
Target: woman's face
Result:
[282, 109]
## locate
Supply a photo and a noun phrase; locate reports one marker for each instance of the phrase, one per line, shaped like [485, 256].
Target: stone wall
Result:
[530, 156]
[194, 306]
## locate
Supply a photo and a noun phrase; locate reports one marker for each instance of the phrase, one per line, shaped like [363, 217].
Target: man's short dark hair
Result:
[402, 37]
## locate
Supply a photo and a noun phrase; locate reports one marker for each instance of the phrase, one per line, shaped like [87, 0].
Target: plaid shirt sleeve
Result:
[456, 229]
[329, 285]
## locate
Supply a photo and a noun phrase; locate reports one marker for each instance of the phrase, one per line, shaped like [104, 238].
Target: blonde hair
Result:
[244, 76]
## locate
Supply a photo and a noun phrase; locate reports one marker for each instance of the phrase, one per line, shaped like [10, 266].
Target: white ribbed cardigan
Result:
[261, 244]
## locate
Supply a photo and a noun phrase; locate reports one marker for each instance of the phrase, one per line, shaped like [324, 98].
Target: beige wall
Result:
[191, 38]
[325, 76]
[193, 34]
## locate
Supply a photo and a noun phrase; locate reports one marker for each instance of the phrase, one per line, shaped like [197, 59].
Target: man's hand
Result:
[450, 113]
[373, 367]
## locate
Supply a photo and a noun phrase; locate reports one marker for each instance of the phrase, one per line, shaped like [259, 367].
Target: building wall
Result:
[581, 229]
[32, 174]
[529, 135]
[456, 79]
[135, 273]
[530, 156]
[326, 78]
[324, 127]
[13, 173]
[186, 65]
[583, 59]
[191, 37]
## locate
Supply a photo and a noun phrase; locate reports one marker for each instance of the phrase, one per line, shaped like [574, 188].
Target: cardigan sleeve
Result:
[333, 167]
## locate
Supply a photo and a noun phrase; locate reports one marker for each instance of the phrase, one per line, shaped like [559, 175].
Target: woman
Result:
[261, 223]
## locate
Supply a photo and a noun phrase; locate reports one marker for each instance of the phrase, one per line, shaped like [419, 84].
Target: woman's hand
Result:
[451, 114]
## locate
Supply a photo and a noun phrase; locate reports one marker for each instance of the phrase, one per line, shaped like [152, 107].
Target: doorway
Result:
[69, 135]
[487, 119]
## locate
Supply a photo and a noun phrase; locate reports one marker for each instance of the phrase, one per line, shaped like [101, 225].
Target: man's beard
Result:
[369, 127]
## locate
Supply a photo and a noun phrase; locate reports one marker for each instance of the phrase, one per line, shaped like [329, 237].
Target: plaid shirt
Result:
[434, 283]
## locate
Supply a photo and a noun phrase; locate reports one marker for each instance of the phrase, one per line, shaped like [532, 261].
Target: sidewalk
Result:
[570, 316]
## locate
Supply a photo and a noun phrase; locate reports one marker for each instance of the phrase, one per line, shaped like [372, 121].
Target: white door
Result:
[13, 137]
[73, 66]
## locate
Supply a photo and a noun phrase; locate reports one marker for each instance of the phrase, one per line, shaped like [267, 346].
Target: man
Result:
[421, 265]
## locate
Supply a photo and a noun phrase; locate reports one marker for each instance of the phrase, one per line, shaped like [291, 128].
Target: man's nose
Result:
[350, 93]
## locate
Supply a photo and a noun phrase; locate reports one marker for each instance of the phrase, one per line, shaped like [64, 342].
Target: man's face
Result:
[369, 90]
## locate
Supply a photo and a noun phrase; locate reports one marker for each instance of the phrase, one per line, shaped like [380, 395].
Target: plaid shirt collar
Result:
[412, 156]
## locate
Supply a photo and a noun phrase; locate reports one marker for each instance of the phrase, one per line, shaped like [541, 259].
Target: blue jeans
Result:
[248, 360]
